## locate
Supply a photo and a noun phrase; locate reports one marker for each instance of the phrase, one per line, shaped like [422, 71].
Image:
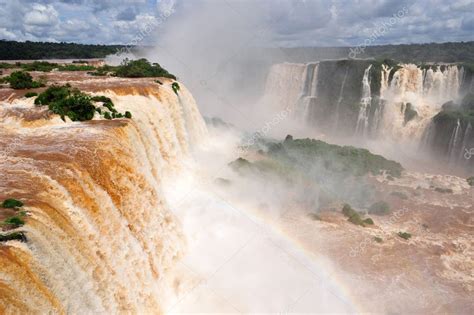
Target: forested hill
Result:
[11, 50]
[410, 53]
[415, 53]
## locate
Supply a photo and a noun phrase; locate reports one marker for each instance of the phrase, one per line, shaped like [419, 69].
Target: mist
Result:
[251, 217]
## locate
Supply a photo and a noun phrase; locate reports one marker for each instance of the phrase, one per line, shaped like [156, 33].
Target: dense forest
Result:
[414, 53]
[11, 50]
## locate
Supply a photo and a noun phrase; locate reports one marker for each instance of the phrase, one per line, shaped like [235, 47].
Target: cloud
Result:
[41, 15]
[291, 22]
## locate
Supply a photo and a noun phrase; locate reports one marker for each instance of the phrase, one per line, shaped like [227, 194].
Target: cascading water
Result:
[378, 113]
[309, 91]
[425, 91]
[467, 136]
[344, 97]
[365, 101]
[100, 238]
[284, 85]
[339, 100]
[454, 142]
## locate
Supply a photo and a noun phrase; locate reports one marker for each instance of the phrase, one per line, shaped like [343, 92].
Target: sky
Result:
[288, 23]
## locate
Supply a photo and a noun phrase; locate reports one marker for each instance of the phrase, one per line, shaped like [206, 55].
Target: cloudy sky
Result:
[288, 22]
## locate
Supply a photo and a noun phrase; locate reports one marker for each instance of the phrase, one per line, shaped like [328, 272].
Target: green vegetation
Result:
[470, 181]
[407, 53]
[348, 160]
[31, 94]
[378, 239]
[14, 221]
[22, 80]
[332, 172]
[128, 115]
[175, 86]
[11, 50]
[5, 65]
[76, 68]
[380, 208]
[103, 71]
[368, 221]
[12, 203]
[141, 68]
[404, 235]
[78, 106]
[17, 236]
[43, 66]
[52, 94]
[354, 217]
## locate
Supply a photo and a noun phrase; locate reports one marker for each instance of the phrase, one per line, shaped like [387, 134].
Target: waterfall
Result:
[442, 86]
[284, 84]
[308, 92]
[379, 113]
[339, 100]
[465, 141]
[384, 85]
[453, 143]
[366, 99]
[100, 237]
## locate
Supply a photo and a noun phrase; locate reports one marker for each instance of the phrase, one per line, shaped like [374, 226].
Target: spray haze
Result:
[258, 175]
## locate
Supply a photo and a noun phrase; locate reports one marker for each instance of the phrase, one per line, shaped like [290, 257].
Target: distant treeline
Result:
[414, 53]
[11, 50]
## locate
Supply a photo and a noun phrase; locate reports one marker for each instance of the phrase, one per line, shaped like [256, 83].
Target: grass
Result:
[379, 208]
[470, 181]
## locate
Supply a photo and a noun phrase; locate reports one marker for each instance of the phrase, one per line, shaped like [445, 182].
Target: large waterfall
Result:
[365, 101]
[99, 235]
[371, 100]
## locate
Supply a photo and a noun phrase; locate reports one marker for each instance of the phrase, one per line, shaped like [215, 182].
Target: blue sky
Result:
[289, 22]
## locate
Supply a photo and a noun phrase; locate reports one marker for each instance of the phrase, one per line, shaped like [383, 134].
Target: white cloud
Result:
[292, 22]
[41, 15]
